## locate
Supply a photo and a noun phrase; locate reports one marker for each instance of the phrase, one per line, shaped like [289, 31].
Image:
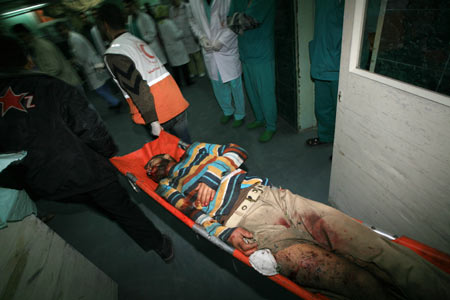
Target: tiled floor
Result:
[200, 269]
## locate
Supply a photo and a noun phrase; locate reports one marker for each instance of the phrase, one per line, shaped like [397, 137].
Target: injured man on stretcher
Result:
[315, 245]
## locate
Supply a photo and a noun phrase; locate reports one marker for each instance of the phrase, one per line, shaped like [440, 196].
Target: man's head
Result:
[131, 7]
[83, 17]
[13, 55]
[176, 3]
[110, 20]
[161, 12]
[158, 166]
[23, 33]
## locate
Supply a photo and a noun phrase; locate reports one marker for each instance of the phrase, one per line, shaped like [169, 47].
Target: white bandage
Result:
[264, 262]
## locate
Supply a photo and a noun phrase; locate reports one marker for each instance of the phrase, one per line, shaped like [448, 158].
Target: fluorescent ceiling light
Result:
[23, 10]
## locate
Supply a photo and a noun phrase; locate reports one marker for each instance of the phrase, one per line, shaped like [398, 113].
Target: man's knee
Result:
[315, 267]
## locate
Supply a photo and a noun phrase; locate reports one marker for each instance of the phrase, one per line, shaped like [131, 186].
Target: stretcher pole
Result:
[434, 256]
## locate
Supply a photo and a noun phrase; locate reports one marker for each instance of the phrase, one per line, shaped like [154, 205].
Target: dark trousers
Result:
[114, 201]
[177, 76]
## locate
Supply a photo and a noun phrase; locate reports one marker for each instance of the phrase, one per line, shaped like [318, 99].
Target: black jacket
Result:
[66, 141]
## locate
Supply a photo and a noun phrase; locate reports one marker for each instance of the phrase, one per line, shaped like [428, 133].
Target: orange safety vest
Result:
[169, 102]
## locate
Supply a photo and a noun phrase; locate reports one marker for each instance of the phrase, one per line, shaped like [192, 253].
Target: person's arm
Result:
[242, 240]
[182, 203]
[48, 59]
[224, 39]
[196, 28]
[227, 159]
[173, 31]
[131, 81]
[260, 9]
[83, 120]
[148, 28]
[239, 238]
[80, 50]
[99, 43]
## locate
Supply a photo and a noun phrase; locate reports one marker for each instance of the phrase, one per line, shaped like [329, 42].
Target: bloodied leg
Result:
[280, 219]
[317, 268]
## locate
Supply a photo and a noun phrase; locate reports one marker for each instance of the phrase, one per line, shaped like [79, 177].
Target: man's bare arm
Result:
[239, 239]
[133, 84]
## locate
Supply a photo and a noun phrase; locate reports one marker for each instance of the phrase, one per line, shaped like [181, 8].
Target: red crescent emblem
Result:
[143, 50]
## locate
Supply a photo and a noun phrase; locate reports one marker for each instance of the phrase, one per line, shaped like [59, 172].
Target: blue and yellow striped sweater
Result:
[216, 166]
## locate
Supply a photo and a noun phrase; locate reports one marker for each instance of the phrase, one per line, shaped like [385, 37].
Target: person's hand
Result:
[205, 194]
[239, 239]
[216, 46]
[156, 128]
[206, 43]
[99, 67]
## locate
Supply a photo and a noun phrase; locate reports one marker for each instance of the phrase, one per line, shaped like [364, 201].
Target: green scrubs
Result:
[256, 50]
[325, 55]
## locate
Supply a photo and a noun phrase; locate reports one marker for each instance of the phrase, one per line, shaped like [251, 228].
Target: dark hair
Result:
[13, 54]
[112, 15]
[20, 28]
[158, 171]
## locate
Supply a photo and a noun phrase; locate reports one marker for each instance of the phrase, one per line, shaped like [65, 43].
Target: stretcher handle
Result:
[132, 181]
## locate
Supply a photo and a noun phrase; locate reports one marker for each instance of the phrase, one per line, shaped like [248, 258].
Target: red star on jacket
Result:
[11, 100]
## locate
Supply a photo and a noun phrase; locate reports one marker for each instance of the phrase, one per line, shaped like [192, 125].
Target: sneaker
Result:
[166, 252]
[237, 123]
[201, 75]
[225, 119]
[255, 124]
[266, 136]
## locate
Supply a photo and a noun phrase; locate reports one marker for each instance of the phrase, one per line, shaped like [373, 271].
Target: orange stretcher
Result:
[132, 166]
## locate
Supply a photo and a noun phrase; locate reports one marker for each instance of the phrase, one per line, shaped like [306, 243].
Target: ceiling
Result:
[9, 5]
[74, 5]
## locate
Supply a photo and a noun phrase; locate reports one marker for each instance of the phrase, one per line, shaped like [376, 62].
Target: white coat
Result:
[181, 16]
[172, 38]
[226, 61]
[87, 57]
[99, 43]
[149, 34]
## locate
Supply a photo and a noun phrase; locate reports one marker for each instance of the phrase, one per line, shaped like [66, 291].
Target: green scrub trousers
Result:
[325, 108]
[325, 55]
[223, 92]
[259, 81]
[256, 50]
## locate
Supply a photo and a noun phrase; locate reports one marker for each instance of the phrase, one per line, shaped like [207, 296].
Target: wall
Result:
[391, 159]
[29, 19]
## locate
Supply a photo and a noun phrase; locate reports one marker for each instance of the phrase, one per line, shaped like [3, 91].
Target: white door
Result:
[391, 157]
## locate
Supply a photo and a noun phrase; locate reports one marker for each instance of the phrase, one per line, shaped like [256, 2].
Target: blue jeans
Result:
[177, 126]
[105, 92]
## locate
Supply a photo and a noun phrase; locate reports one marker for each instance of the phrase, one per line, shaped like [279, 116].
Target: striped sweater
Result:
[216, 166]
